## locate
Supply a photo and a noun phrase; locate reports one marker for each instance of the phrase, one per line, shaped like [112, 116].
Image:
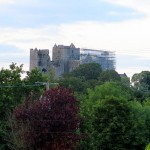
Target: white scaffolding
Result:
[105, 58]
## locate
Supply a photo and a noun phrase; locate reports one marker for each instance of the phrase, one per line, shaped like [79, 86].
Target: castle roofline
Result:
[63, 46]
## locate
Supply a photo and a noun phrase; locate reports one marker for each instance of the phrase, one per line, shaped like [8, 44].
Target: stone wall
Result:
[62, 55]
[39, 58]
[67, 58]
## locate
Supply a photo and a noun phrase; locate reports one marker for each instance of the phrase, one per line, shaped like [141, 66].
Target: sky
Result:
[115, 25]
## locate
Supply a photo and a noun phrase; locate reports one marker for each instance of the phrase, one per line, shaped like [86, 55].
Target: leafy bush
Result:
[50, 122]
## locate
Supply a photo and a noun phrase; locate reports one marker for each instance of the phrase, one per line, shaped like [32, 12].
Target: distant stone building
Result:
[39, 58]
[67, 58]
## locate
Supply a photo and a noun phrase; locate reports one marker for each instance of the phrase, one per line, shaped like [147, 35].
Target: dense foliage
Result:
[99, 94]
[113, 123]
[88, 71]
[83, 77]
[109, 75]
[141, 85]
[51, 122]
[114, 112]
[90, 102]
[13, 89]
[9, 96]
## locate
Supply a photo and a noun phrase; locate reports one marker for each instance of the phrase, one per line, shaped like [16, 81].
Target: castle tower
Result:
[63, 55]
[39, 58]
[33, 58]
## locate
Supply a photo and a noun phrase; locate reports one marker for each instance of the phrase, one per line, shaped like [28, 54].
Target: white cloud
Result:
[128, 37]
[138, 5]
[123, 14]
[12, 54]
[26, 38]
[7, 1]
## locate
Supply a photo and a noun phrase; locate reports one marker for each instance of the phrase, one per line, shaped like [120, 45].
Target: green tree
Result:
[146, 107]
[11, 96]
[141, 85]
[83, 77]
[88, 104]
[75, 83]
[88, 71]
[110, 89]
[141, 122]
[109, 75]
[125, 81]
[13, 90]
[87, 107]
[113, 124]
[148, 147]
[141, 80]
[34, 80]
[50, 75]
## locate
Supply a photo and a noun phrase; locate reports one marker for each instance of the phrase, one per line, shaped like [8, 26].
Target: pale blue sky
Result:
[37, 13]
[117, 25]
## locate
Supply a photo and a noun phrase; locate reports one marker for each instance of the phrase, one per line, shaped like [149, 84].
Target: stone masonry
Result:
[67, 58]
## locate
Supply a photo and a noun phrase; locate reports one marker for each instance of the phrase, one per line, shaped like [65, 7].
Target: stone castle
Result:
[67, 58]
